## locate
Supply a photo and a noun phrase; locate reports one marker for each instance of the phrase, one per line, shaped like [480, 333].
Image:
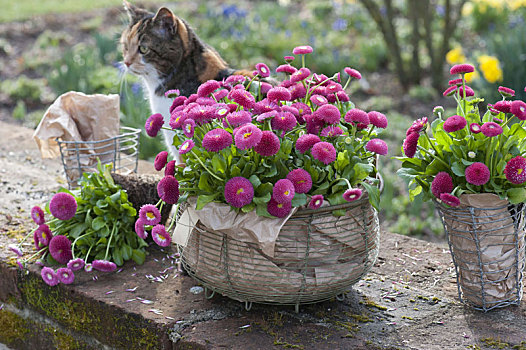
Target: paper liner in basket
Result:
[75, 116]
[494, 230]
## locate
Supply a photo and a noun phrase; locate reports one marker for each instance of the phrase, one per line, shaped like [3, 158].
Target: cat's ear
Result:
[134, 13]
[165, 22]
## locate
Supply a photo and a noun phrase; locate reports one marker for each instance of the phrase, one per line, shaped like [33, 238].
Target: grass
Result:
[24, 9]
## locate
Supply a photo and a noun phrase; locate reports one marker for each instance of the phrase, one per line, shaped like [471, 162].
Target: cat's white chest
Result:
[161, 104]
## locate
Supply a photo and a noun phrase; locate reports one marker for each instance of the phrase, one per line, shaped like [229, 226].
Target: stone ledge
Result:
[407, 301]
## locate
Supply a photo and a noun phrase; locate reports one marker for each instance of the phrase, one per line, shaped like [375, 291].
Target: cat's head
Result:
[153, 43]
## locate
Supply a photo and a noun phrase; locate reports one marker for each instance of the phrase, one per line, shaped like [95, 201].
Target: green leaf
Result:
[98, 223]
[516, 195]
[407, 173]
[204, 199]
[322, 189]
[458, 169]
[263, 199]
[138, 255]
[218, 163]
[414, 192]
[117, 257]
[374, 194]
[126, 252]
[78, 229]
[248, 208]
[264, 189]
[299, 200]
[261, 210]
[254, 180]
[204, 184]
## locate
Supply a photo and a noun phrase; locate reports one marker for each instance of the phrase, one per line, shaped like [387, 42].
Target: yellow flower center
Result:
[286, 193]
[247, 135]
[301, 181]
[240, 190]
[280, 205]
[519, 171]
[150, 215]
[44, 236]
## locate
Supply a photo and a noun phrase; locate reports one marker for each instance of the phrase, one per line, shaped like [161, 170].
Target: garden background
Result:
[403, 48]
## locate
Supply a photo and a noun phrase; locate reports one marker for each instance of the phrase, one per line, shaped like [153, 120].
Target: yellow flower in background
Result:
[467, 9]
[516, 4]
[455, 56]
[490, 67]
[472, 76]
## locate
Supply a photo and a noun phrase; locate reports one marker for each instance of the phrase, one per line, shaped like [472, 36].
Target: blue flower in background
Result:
[288, 33]
[304, 24]
[136, 89]
[339, 25]
[119, 66]
[233, 11]
[440, 10]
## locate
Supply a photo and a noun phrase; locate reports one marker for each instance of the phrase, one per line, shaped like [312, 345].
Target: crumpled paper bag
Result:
[494, 230]
[75, 116]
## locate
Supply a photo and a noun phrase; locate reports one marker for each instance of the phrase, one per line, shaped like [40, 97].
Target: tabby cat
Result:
[163, 50]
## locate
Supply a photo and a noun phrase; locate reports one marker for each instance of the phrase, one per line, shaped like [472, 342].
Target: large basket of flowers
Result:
[473, 168]
[279, 184]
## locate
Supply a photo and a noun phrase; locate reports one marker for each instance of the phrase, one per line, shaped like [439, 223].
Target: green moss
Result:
[363, 318]
[495, 343]
[64, 341]
[13, 328]
[370, 303]
[521, 346]
[83, 318]
[286, 345]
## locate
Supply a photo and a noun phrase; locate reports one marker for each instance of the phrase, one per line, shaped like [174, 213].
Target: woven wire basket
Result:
[488, 250]
[317, 256]
[121, 151]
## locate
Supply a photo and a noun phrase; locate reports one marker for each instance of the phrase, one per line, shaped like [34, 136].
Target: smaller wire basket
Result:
[317, 257]
[121, 151]
[488, 250]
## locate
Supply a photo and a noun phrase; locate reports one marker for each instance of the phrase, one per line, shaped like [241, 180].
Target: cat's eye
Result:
[143, 49]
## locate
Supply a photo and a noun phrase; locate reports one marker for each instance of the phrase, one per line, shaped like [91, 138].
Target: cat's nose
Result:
[127, 63]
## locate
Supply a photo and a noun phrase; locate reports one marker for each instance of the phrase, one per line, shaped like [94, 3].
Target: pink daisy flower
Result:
[177, 118]
[297, 91]
[330, 114]
[278, 93]
[60, 249]
[168, 189]
[44, 234]
[291, 110]
[450, 91]
[353, 194]
[518, 108]
[284, 121]
[469, 92]
[263, 70]
[220, 94]
[172, 93]
[170, 168]
[503, 106]
[160, 236]
[76, 264]
[454, 123]
[279, 210]
[324, 152]
[65, 275]
[506, 92]
[153, 124]
[264, 106]
[63, 206]
[410, 144]
[318, 100]
[377, 146]
[457, 81]
[208, 88]
[283, 191]
[450, 199]
[474, 128]
[306, 141]
[248, 136]
[37, 214]
[515, 170]
[462, 69]
[286, 68]
[243, 98]
[491, 129]
[301, 180]
[418, 125]
[88, 267]
[268, 145]
[140, 229]
[265, 87]
[149, 214]
[238, 118]
[316, 201]
[178, 101]
[377, 119]
[302, 108]
[301, 74]
[239, 192]
[264, 116]
[342, 96]
[302, 50]
[186, 147]
[49, 276]
[477, 174]
[331, 131]
[160, 160]
[333, 88]
[188, 127]
[353, 73]
[357, 116]
[234, 79]
[442, 183]
[289, 59]
[216, 139]
[15, 249]
[36, 241]
[104, 265]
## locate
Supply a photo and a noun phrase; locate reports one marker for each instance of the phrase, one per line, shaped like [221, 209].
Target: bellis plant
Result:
[468, 152]
[269, 148]
[91, 227]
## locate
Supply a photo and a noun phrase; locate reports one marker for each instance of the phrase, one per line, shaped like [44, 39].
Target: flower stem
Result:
[75, 241]
[433, 156]
[109, 241]
[206, 168]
